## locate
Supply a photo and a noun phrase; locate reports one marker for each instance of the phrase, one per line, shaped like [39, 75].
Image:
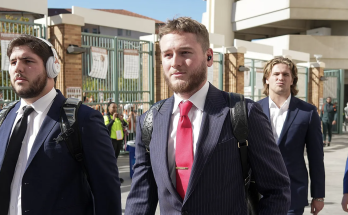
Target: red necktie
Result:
[184, 149]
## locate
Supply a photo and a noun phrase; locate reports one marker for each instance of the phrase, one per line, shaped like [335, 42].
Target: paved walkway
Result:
[335, 159]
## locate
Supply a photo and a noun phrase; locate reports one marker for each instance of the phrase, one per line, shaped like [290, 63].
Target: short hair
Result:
[187, 25]
[267, 70]
[39, 47]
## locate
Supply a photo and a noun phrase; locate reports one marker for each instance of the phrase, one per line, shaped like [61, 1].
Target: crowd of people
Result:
[191, 163]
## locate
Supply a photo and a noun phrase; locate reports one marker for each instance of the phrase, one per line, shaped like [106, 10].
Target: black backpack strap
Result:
[70, 131]
[147, 127]
[6, 110]
[240, 130]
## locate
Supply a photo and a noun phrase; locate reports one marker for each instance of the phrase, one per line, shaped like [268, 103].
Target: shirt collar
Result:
[197, 99]
[41, 104]
[284, 106]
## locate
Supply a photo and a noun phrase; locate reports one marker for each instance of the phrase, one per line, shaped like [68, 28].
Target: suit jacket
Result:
[53, 182]
[216, 183]
[301, 129]
[345, 179]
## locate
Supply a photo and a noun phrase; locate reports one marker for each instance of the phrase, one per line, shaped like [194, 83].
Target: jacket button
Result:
[26, 211]
[184, 213]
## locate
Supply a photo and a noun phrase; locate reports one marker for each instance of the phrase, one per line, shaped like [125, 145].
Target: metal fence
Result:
[253, 85]
[13, 27]
[136, 93]
[334, 88]
[215, 72]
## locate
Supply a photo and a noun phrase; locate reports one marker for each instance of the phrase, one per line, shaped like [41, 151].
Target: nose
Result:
[16, 68]
[176, 61]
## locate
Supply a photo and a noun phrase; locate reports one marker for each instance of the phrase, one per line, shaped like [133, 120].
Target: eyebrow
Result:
[24, 58]
[179, 49]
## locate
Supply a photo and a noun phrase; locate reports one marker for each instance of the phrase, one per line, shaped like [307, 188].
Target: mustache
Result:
[18, 75]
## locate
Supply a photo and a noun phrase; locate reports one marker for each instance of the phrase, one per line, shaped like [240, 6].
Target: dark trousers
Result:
[117, 144]
[327, 127]
[296, 212]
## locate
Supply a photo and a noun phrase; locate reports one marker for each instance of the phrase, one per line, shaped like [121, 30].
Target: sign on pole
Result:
[131, 64]
[99, 63]
[5, 41]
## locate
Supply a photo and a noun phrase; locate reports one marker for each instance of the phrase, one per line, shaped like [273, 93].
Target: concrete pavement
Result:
[335, 159]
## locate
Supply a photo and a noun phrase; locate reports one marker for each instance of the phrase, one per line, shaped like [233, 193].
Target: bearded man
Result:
[193, 165]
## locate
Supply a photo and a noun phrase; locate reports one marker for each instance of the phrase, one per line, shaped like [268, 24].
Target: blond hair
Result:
[187, 25]
[267, 70]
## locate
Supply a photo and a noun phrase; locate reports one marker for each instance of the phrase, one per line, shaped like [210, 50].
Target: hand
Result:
[316, 206]
[345, 202]
[115, 116]
[334, 122]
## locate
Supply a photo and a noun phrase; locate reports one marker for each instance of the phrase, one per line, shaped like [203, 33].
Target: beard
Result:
[194, 80]
[34, 89]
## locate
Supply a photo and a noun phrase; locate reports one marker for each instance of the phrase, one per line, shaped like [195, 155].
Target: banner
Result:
[5, 41]
[99, 63]
[131, 64]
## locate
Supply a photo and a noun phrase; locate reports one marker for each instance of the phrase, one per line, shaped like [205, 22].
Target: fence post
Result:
[315, 85]
[63, 33]
[233, 79]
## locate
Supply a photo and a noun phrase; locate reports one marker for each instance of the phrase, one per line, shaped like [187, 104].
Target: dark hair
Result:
[187, 25]
[107, 108]
[267, 71]
[39, 47]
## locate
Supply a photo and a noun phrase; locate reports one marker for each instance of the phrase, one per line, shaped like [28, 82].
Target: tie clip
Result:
[184, 168]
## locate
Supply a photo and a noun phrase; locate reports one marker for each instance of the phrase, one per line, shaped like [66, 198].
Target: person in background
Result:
[328, 116]
[115, 123]
[131, 124]
[296, 126]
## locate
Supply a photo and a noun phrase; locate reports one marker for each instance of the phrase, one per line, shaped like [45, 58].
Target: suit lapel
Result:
[49, 122]
[292, 112]
[5, 131]
[159, 143]
[214, 115]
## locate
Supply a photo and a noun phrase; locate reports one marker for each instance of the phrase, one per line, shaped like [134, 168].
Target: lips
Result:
[20, 79]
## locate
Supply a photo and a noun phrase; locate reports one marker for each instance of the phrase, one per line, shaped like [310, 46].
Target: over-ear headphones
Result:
[52, 65]
[209, 58]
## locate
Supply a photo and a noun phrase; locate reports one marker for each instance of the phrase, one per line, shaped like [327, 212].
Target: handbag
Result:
[240, 130]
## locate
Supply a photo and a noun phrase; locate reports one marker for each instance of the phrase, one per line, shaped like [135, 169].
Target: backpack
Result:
[240, 131]
[68, 126]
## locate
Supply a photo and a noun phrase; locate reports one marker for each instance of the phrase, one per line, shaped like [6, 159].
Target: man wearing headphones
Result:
[37, 173]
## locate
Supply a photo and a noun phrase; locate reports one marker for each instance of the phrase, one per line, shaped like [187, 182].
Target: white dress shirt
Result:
[195, 116]
[278, 116]
[35, 119]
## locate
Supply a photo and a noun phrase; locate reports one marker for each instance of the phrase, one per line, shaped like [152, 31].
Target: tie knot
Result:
[185, 107]
[27, 110]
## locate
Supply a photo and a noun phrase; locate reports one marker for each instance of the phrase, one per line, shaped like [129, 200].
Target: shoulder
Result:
[305, 106]
[261, 101]
[88, 112]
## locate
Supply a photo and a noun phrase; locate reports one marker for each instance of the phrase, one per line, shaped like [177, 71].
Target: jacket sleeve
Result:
[100, 162]
[142, 198]
[267, 164]
[315, 154]
[345, 179]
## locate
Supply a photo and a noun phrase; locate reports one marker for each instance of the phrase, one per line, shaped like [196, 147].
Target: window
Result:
[128, 33]
[119, 32]
[85, 30]
[95, 30]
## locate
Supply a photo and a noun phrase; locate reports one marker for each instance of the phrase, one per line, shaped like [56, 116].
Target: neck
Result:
[187, 95]
[279, 99]
[30, 101]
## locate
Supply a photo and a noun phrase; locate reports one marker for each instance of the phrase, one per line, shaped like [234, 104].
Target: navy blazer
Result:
[53, 182]
[216, 183]
[301, 129]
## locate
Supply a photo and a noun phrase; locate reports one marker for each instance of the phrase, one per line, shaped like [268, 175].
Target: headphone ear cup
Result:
[50, 67]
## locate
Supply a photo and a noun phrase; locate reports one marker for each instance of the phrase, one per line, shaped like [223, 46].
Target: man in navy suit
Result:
[46, 178]
[193, 165]
[344, 202]
[295, 125]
